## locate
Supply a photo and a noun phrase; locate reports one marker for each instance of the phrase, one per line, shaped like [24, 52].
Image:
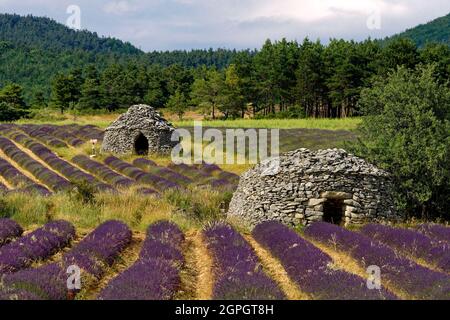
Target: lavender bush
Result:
[45, 175]
[436, 231]
[47, 282]
[37, 245]
[17, 179]
[103, 171]
[65, 168]
[12, 175]
[85, 133]
[215, 170]
[40, 133]
[140, 176]
[152, 167]
[200, 177]
[64, 135]
[93, 254]
[411, 243]
[9, 230]
[417, 281]
[309, 267]
[155, 276]
[237, 270]
[100, 248]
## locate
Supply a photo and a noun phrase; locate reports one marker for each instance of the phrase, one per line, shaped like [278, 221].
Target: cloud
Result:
[186, 24]
[119, 7]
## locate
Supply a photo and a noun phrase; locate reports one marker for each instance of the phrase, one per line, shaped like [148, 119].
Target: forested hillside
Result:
[34, 49]
[437, 30]
[58, 67]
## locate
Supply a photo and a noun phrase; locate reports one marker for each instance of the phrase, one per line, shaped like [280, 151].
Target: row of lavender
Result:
[110, 176]
[414, 280]
[35, 246]
[93, 255]
[9, 230]
[43, 174]
[19, 181]
[413, 244]
[159, 183]
[69, 171]
[310, 267]
[57, 136]
[236, 268]
[160, 178]
[156, 273]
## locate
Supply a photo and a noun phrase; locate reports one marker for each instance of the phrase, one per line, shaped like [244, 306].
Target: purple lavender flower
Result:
[100, 248]
[411, 243]
[436, 231]
[102, 171]
[9, 230]
[37, 245]
[152, 167]
[159, 183]
[155, 276]
[309, 267]
[34, 167]
[47, 282]
[418, 281]
[237, 269]
[94, 253]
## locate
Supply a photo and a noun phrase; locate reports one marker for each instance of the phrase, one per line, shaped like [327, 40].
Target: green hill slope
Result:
[437, 30]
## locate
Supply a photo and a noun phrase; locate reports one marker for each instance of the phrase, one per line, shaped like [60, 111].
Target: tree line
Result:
[283, 79]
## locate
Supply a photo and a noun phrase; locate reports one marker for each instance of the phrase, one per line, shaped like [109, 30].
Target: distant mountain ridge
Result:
[45, 33]
[34, 49]
[437, 30]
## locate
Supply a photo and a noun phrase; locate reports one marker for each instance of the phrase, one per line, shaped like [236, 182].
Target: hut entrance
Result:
[141, 145]
[333, 211]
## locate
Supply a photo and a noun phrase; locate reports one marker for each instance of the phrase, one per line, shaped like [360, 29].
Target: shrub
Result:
[406, 131]
[10, 113]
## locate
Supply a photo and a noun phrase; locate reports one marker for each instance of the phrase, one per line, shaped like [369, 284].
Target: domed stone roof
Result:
[140, 130]
[302, 186]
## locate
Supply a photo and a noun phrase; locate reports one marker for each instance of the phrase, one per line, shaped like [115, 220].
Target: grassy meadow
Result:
[104, 120]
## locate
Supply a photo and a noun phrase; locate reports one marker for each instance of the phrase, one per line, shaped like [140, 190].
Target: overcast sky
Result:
[187, 24]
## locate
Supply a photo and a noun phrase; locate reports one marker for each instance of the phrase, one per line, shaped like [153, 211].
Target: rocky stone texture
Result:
[121, 135]
[306, 181]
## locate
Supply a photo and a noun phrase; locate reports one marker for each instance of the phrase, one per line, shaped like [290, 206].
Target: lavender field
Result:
[118, 264]
[103, 227]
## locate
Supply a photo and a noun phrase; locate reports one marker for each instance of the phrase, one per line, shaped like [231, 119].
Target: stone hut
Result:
[141, 130]
[305, 186]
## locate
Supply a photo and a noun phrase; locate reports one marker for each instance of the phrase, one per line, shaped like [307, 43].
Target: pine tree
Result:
[208, 92]
[177, 104]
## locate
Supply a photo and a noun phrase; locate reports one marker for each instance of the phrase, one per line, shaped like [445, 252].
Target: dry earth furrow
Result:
[276, 271]
[6, 183]
[199, 280]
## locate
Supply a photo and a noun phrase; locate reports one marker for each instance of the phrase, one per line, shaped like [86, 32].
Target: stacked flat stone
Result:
[294, 187]
[139, 119]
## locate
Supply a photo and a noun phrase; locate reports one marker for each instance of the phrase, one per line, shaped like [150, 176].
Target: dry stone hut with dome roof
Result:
[325, 185]
[141, 130]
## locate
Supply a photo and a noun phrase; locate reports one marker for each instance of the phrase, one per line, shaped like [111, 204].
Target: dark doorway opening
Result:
[333, 211]
[141, 145]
